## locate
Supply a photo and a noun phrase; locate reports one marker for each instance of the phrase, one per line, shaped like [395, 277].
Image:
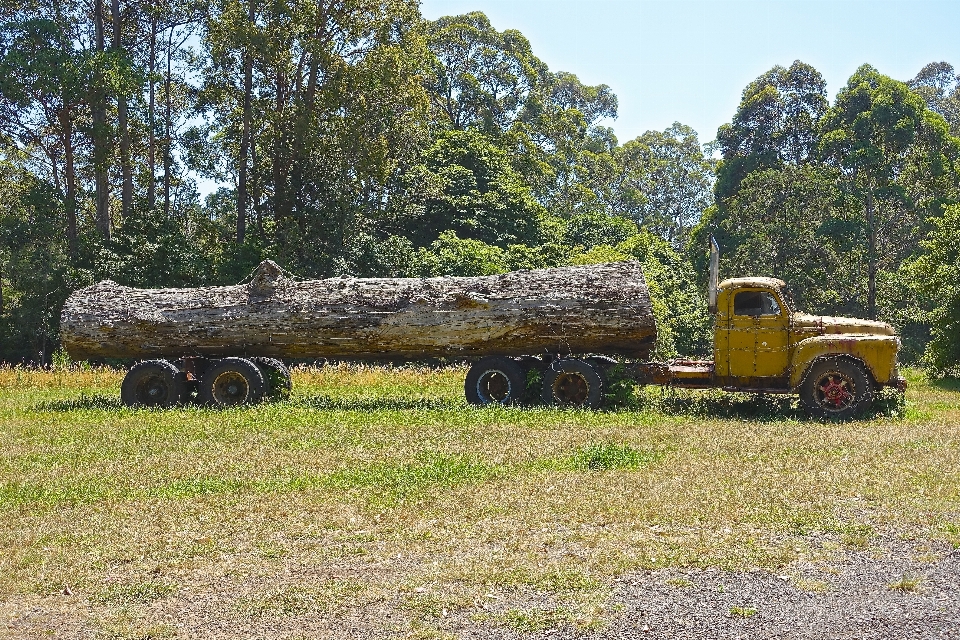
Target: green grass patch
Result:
[607, 456]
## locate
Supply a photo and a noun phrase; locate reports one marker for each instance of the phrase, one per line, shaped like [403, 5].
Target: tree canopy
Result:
[356, 137]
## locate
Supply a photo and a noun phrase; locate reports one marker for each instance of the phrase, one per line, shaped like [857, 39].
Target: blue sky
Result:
[689, 60]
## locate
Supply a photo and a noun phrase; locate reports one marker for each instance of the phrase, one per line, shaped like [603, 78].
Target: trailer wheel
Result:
[231, 382]
[276, 376]
[153, 383]
[572, 383]
[495, 381]
[835, 389]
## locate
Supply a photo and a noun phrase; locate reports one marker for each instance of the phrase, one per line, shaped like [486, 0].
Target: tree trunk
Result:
[100, 142]
[871, 254]
[126, 191]
[167, 142]
[70, 201]
[279, 175]
[589, 309]
[152, 187]
[242, 199]
[256, 180]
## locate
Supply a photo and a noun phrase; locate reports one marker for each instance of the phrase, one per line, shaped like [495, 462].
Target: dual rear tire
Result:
[227, 382]
[566, 382]
[154, 383]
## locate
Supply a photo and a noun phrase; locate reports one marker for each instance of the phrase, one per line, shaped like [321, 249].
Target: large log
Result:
[601, 308]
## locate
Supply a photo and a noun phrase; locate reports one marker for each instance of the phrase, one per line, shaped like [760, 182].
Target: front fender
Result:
[878, 353]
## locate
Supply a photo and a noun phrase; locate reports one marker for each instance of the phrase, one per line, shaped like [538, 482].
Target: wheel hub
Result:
[494, 386]
[152, 391]
[230, 388]
[835, 390]
[571, 389]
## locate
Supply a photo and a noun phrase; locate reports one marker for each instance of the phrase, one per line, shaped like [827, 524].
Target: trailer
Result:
[570, 326]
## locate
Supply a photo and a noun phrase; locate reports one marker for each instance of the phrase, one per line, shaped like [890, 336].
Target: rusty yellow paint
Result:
[877, 352]
[774, 346]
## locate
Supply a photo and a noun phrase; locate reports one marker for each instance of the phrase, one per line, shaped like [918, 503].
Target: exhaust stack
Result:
[714, 275]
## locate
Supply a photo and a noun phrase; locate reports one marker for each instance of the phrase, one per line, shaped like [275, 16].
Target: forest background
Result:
[356, 137]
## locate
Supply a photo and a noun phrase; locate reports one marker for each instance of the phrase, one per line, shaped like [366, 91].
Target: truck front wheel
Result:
[835, 389]
[573, 384]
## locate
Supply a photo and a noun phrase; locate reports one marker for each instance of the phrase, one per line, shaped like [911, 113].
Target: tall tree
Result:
[933, 275]
[123, 126]
[101, 132]
[337, 116]
[775, 124]
[246, 126]
[896, 158]
[481, 77]
[665, 182]
[43, 94]
[939, 85]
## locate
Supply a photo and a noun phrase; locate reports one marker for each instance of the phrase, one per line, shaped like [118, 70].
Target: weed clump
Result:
[607, 456]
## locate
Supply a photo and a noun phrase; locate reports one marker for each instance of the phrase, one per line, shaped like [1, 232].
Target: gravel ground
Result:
[896, 590]
[852, 599]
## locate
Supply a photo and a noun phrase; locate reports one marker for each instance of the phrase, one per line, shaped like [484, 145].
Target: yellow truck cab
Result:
[762, 344]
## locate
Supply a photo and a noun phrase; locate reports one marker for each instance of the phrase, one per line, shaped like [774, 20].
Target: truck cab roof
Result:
[737, 283]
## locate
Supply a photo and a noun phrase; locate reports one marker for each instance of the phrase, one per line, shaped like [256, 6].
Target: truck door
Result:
[758, 338]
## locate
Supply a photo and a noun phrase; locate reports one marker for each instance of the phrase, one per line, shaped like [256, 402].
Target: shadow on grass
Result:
[382, 403]
[946, 384]
[81, 403]
[754, 406]
[718, 404]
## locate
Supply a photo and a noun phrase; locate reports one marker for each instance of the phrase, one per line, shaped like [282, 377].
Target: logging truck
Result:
[567, 328]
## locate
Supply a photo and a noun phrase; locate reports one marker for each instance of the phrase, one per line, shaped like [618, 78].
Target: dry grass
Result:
[377, 500]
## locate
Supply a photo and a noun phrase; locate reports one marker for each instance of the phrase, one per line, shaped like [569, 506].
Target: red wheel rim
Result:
[835, 391]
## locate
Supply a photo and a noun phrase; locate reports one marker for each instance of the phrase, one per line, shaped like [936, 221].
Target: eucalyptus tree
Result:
[480, 77]
[933, 275]
[939, 85]
[665, 182]
[775, 124]
[44, 99]
[897, 161]
[325, 125]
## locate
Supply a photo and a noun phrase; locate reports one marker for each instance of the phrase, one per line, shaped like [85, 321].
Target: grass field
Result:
[377, 500]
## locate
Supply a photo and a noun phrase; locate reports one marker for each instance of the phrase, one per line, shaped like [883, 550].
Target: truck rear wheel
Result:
[835, 389]
[572, 383]
[231, 382]
[495, 381]
[153, 383]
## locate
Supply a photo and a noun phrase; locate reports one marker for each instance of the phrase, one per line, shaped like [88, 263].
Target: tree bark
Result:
[126, 172]
[152, 187]
[100, 142]
[242, 199]
[871, 253]
[587, 309]
[70, 176]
